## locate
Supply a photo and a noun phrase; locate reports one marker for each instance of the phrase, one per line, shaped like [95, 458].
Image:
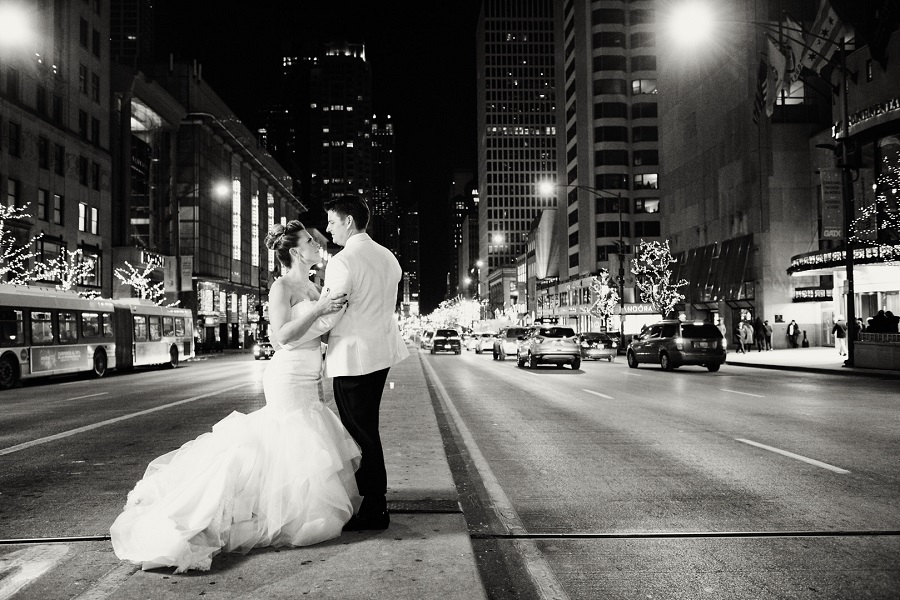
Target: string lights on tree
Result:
[654, 277]
[14, 256]
[141, 282]
[878, 223]
[606, 297]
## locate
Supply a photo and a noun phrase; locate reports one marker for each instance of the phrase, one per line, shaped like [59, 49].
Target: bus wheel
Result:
[9, 373]
[99, 363]
[173, 357]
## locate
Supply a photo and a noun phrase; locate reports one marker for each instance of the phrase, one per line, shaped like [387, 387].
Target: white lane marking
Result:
[598, 394]
[20, 568]
[741, 393]
[632, 374]
[539, 569]
[77, 430]
[88, 396]
[811, 461]
[109, 583]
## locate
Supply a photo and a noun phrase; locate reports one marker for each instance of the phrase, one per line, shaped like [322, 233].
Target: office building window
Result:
[95, 131]
[57, 109]
[83, 79]
[83, 33]
[95, 43]
[610, 86]
[43, 153]
[92, 255]
[12, 83]
[95, 220]
[43, 198]
[646, 181]
[644, 134]
[644, 39]
[82, 171]
[82, 216]
[40, 100]
[95, 87]
[647, 228]
[83, 124]
[643, 63]
[611, 134]
[95, 176]
[643, 86]
[645, 157]
[12, 192]
[646, 205]
[610, 110]
[15, 139]
[643, 110]
[59, 160]
[58, 206]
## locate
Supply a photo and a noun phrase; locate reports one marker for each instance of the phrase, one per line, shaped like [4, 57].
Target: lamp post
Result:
[691, 24]
[546, 188]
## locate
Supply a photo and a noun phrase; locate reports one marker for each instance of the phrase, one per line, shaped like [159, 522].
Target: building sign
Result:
[832, 204]
[169, 274]
[635, 308]
[813, 295]
[187, 270]
[868, 117]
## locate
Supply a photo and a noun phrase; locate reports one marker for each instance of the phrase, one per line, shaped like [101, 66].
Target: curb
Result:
[839, 371]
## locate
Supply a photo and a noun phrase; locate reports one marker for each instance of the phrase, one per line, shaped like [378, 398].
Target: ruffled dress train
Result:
[280, 476]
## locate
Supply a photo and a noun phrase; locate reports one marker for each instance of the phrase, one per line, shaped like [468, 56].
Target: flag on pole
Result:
[795, 47]
[762, 75]
[776, 73]
[823, 39]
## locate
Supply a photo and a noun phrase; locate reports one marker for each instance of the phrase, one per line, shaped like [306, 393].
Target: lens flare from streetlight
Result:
[691, 23]
[15, 25]
[222, 190]
[546, 188]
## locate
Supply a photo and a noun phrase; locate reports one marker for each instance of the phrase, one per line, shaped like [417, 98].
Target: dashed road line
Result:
[741, 393]
[805, 459]
[20, 568]
[88, 396]
[597, 394]
[77, 430]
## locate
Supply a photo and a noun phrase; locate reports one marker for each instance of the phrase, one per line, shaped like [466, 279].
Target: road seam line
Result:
[536, 563]
[742, 393]
[598, 394]
[805, 459]
[77, 430]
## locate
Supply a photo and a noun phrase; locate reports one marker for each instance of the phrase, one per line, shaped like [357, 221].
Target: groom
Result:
[363, 345]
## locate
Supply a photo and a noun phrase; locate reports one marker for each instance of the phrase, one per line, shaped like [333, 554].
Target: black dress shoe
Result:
[374, 521]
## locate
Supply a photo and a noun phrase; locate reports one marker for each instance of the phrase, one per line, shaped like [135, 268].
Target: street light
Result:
[547, 188]
[687, 23]
[15, 25]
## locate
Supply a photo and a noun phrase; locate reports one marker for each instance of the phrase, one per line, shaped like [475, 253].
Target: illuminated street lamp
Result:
[692, 24]
[548, 188]
[15, 26]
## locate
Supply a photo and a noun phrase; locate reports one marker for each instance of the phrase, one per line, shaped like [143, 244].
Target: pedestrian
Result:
[736, 338]
[746, 335]
[793, 332]
[759, 334]
[278, 476]
[840, 335]
[893, 322]
[768, 335]
[722, 330]
[857, 329]
[878, 323]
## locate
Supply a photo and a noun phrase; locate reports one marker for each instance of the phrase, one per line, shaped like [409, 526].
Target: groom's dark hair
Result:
[353, 206]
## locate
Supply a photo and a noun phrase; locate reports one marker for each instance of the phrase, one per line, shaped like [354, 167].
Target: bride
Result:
[279, 476]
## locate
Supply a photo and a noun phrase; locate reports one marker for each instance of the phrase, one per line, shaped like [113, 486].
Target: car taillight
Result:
[679, 343]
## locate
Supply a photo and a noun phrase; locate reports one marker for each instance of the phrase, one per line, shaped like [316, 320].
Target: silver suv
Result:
[555, 345]
[671, 344]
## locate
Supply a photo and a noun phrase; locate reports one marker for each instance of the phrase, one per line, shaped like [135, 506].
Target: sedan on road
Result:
[507, 343]
[263, 350]
[597, 345]
[484, 341]
[671, 344]
[446, 340]
[554, 345]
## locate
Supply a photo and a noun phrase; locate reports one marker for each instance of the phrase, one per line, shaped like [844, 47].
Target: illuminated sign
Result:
[835, 259]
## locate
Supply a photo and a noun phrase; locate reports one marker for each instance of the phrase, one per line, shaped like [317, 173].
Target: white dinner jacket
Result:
[365, 336]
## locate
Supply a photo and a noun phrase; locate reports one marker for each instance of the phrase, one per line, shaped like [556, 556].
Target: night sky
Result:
[422, 56]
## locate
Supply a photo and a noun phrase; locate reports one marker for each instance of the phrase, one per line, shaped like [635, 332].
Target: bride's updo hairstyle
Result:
[282, 238]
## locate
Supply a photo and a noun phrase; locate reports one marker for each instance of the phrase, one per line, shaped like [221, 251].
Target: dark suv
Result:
[446, 340]
[671, 344]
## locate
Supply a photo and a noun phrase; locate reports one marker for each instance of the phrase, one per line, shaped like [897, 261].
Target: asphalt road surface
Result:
[609, 482]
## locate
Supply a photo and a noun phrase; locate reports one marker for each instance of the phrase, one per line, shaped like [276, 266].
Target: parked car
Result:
[597, 345]
[485, 341]
[671, 344]
[426, 339]
[263, 350]
[446, 340]
[507, 343]
[554, 345]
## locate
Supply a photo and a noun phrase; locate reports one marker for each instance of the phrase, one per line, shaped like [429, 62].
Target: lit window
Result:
[254, 230]
[236, 219]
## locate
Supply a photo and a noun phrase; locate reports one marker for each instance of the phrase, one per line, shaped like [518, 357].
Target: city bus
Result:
[148, 334]
[46, 332]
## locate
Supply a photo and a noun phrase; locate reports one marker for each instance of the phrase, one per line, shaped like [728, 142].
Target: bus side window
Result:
[154, 329]
[168, 327]
[41, 327]
[90, 324]
[107, 326]
[179, 327]
[68, 328]
[12, 327]
[140, 328]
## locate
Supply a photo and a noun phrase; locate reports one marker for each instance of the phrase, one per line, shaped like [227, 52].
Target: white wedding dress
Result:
[280, 476]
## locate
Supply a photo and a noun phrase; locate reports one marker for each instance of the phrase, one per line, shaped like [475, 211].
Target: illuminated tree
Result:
[879, 223]
[13, 256]
[141, 282]
[606, 297]
[654, 277]
[69, 270]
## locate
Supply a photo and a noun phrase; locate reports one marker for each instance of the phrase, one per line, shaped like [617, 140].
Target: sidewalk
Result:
[811, 360]
[425, 553]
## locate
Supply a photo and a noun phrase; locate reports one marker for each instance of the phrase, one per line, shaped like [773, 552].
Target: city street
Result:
[605, 482]
[647, 484]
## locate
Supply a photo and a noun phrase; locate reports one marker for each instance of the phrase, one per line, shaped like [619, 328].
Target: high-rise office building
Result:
[409, 260]
[463, 201]
[516, 124]
[131, 38]
[384, 225]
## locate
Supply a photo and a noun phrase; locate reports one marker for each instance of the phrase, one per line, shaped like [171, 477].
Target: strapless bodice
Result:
[298, 310]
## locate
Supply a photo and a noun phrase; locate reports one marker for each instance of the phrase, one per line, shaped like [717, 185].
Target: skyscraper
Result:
[131, 38]
[516, 124]
[384, 225]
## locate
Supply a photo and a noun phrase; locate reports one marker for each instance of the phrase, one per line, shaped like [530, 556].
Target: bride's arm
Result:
[286, 331]
[337, 282]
